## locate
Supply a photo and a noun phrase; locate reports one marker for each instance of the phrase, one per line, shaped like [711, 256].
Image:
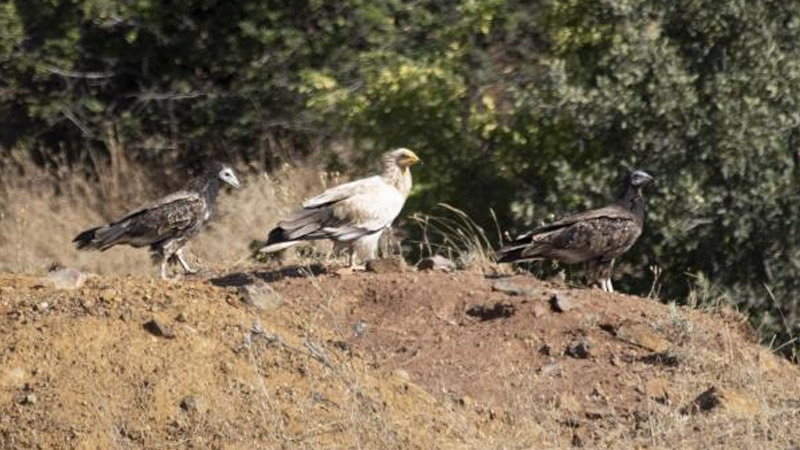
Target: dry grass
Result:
[455, 235]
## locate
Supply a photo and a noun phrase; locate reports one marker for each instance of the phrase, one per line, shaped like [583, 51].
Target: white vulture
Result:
[166, 224]
[353, 215]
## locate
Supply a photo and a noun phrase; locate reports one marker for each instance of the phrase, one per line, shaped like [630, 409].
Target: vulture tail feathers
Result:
[277, 241]
[517, 253]
[518, 250]
[85, 240]
[303, 225]
[509, 254]
[100, 238]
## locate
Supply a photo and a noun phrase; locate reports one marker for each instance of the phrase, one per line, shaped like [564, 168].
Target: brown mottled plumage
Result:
[596, 237]
[353, 214]
[166, 224]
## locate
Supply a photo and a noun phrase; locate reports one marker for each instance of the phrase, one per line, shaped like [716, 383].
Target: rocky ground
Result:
[298, 358]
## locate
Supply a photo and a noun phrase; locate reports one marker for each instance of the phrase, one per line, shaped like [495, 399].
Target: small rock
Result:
[539, 310]
[437, 262]
[497, 311]
[657, 389]
[727, 400]
[402, 375]
[498, 413]
[560, 303]
[578, 349]
[65, 278]
[189, 404]
[40, 307]
[182, 317]
[507, 287]
[466, 402]
[87, 303]
[157, 328]
[29, 399]
[108, 295]
[386, 265]
[548, 369]
[643, 336]
[260, 296]
[125, 315]
[359, 328]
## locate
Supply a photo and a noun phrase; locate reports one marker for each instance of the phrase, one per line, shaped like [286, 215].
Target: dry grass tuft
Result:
[456, 236]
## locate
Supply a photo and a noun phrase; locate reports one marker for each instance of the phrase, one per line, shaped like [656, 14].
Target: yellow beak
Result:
[410, 159]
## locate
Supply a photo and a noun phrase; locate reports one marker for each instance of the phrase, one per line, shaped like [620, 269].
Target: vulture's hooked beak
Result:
[410, 159]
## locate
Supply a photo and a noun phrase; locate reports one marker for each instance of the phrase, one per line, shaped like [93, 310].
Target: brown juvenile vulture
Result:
[166, 224]
[596, 237]
[353, 215]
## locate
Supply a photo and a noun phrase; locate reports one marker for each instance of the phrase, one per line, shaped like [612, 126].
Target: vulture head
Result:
[639, 179]
[632, 185]
[227, 174]
[403, 157]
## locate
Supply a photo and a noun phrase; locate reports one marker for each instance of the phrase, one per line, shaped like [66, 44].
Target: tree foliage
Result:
[529, 108]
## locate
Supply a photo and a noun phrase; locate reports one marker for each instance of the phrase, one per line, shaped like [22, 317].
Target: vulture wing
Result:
[169, 217]
[343, 213]
[600, 233]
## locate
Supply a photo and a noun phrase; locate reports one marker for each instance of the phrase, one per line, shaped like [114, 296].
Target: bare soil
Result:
[299, 358]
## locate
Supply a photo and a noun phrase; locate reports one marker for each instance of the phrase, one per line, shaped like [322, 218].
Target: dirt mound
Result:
[301, 359]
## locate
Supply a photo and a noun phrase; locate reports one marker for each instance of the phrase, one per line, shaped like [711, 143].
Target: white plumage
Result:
[354, 214]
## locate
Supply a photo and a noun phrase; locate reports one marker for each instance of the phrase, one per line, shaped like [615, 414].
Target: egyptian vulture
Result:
[166, 224]
[353, 215]
[596, 237]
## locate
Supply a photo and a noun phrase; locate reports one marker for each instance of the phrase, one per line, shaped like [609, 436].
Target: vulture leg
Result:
[168, 253]
[591, 273]
[604, 273]
[164, 269]
[159, 256]
[353, 265]
[184, 264]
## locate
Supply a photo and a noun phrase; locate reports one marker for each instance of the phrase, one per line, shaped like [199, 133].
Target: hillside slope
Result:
[293, 359]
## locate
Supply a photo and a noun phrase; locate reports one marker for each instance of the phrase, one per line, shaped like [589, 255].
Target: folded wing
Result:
[344, 213]
[577, 238]
[168, 218]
